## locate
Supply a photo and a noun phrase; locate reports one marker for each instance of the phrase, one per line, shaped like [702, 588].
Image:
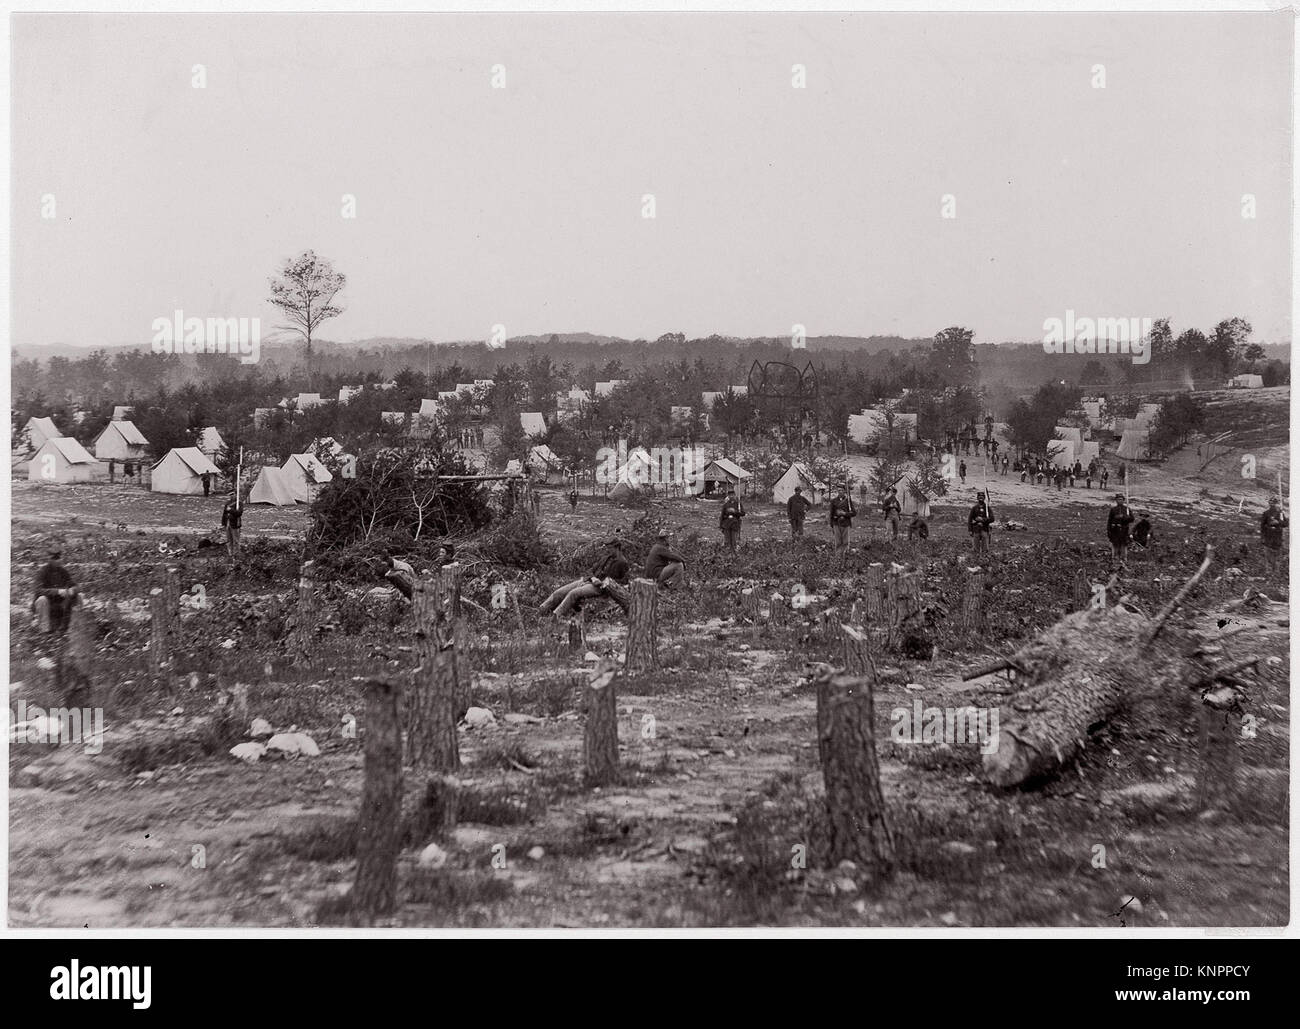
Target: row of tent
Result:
[120, 439]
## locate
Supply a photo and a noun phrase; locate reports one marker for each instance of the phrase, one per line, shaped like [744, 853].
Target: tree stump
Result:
[159, 634]
[857, 654]
[379, 828]
[432, 812]
[751, 603]
[577, 633]
[1218, 755]
[857, 824]
[431, 741]
[875, 592]
[76, 659]
[172, 591]
[449, 580]
[776, 610]
[42, 607]
[903, 604]
[972, 601]
[600, 731]
[307, 616]
[642, 626]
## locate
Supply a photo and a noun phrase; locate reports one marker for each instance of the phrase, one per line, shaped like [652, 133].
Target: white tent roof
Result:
[129, 433]
[428, 409]
[274, 487]
[40, 430]
[730, 467]
[306, 400]
[796, 475]
[210, 440]
[313, 471]
[532, 423]
[1089, 451]
[1246, 381]
[122, 412]
[1135, 444]
[1069, 434]
[1061, 453]
[72, 451]
[514, 467]
[194, 459]
[604, 389]
[346, 393]
[545, 454]
[910, 497]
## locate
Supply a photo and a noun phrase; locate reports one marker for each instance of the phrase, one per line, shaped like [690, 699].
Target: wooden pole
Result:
[600, 732]
[306, 617]
[159, 637]
[642, 626]
[431, 740]
[379, 830]
[857, 824]
[972, 605]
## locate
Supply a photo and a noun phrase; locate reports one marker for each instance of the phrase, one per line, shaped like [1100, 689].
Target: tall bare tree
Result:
[305, 290]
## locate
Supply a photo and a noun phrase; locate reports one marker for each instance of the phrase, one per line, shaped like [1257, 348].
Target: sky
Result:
[774, 206]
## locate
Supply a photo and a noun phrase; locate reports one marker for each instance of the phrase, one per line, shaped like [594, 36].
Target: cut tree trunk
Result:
[600, 731]
[875, 592]
[618, 594]
[857, 824]
[431, 718]
[307, 617]
[903, 602]
[642, 627]
[1078, 674]
[1218, 757]
[379, 828]
[972, 602]
[577, 633]
[449, 578]
[431, 812]
[857, 655]
[76, 660]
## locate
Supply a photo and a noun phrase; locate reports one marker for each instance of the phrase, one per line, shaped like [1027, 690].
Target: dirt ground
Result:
[721, 784]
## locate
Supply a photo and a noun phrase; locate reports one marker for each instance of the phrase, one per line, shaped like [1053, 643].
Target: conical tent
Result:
[1135, 446]
[910, 497]
[181, 472]
[1061, 453]
[274, 487]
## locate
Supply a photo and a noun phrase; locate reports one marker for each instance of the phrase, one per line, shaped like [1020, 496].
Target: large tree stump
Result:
[431, 812]
[857, 654]
[972, 601]
[76, 659]
[777, 611]
[431, 716]
[1218, 757]
[858, 828]
[379, 828]
[449, 580]
[903, 603]
[643, 627]
[751, 601]
[600, 731]
[159, 634]
[307, 617]
[875, 592]
[42, 608]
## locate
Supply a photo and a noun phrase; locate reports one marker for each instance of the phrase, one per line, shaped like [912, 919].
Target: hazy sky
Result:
[774, 205]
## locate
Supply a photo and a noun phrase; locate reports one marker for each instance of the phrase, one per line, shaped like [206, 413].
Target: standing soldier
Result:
[573, 499]
[796, 509]
[207, 483]
[231, 516]
[729, 520]
[1271, 524]
[961, 470]
[112, 469]
[842, 512]
[55, 593]
[1117, 528]
[893, 511]
[979, 523]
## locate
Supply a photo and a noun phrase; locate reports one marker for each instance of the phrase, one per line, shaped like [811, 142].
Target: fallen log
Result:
[1079, 673]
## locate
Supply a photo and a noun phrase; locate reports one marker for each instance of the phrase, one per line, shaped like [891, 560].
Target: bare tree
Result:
[305, 291]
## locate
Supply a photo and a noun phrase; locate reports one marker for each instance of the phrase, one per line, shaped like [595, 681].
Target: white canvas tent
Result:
[798, 475]
[274, 487]
[306, 400]
[604, 389]
[1070, 435]
[532, 423]
[1089, 452]
[910, 497]
[721, 470]
[122, 412]
[1246, 382]
[61, 459]
[41, 429]
[707, 398]
[543, 461]
[120, 440]
[346, 393]
[303, 473]
[1061, 453]
[1092, 408]
[514, 467]
[210, 440]
[1135, 445]
[179, 472]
